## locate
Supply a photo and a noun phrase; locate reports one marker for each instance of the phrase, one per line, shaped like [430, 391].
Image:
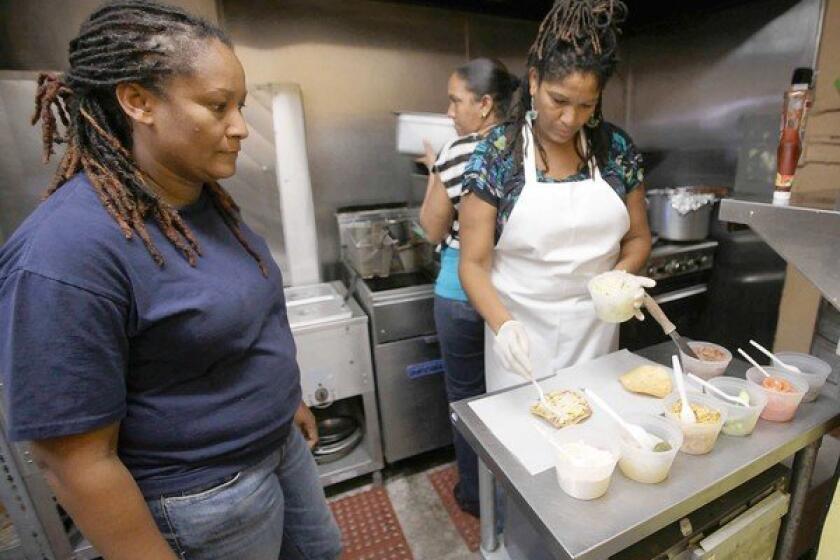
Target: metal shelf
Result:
[806, 233]
[357, 463]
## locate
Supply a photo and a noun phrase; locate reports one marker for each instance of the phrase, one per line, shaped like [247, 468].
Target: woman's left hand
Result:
[639, 284]
[305, 421]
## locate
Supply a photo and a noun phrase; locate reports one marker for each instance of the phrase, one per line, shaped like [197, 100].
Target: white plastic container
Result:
[613, 297]
[741, 420]
[581, 479]
[698, 438]
[814, 370]
[414, 128]
[642, 465]
[781, 407]
[702, 368]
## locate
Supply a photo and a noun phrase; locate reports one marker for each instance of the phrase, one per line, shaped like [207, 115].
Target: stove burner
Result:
[670, 259]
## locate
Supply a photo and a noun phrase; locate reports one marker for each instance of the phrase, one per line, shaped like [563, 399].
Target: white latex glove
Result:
[618, 296]
[512, 347]
[641, 282]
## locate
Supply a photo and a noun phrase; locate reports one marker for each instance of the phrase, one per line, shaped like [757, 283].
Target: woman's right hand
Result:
[429, 158]
[512, 347]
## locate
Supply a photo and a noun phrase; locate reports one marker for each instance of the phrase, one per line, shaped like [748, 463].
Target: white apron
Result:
[557, 236]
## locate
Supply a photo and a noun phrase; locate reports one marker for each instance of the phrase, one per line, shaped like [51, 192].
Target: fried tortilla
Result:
[648, 380]
[567, 408]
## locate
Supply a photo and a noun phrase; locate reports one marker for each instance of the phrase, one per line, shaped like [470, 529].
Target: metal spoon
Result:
[667, 326]
[712, 388]
[686, 414]
[754, 363]
[773, 357]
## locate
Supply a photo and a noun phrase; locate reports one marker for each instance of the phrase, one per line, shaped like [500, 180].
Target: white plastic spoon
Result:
[754, 363]
[712, 388]
[686, 414]
[645, 439]
[545, 402]
[773, 357]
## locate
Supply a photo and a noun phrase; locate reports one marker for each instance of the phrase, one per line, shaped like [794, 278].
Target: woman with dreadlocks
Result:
[146, 350]
[555, 198]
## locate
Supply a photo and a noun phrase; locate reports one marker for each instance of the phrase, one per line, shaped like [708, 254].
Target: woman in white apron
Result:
[559, 192]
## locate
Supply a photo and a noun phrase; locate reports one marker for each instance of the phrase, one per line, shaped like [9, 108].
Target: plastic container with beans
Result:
[714, 359]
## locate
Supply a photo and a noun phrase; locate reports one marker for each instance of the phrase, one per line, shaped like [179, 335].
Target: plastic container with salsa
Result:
[781, 405]
[698, 437]
[814, 370]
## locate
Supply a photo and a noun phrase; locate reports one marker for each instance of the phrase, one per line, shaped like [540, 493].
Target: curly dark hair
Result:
[575, 36]
[127, 41]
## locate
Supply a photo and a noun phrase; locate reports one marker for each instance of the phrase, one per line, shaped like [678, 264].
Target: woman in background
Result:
[479, 96]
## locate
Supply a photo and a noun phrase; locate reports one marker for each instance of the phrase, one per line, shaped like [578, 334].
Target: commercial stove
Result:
[682, 271]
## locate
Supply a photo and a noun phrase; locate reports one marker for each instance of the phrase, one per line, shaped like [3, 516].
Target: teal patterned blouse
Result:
[494, 179]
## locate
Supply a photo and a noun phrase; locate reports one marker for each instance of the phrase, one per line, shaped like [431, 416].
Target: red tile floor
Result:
[371, 529]
[444, 480]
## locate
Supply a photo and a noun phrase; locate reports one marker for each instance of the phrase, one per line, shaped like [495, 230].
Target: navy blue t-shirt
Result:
[197, 363]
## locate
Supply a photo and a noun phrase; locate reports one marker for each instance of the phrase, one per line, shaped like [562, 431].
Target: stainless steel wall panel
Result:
[23, 176]
[706, 92]
[357, 62]
[34, 33]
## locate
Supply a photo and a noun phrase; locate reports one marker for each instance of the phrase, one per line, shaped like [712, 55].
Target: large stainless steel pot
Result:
[669, 224]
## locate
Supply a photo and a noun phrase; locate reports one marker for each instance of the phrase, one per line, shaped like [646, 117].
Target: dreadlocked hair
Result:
[575, 36]
[142, 42]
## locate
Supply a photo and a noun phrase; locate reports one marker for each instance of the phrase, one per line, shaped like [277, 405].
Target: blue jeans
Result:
[461, 334]
[273, 510]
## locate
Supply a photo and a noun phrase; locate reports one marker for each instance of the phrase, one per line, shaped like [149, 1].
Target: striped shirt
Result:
[450, 166]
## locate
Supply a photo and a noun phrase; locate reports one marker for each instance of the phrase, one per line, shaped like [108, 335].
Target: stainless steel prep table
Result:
[631, 511]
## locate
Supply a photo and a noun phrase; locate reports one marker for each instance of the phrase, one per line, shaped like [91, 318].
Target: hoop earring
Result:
[594, 120]
[533, 113]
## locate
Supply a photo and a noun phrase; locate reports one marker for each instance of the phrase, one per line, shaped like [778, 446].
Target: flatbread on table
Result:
[648, 380]
[567, 408]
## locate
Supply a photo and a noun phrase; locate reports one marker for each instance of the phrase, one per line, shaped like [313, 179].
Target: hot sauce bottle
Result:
[797, 102]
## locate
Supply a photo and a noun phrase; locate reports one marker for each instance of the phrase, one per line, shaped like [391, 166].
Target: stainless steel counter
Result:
[806, 233]
[631, 511]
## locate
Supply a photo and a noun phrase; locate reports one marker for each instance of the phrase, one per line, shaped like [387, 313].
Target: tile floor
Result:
[422, 515]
